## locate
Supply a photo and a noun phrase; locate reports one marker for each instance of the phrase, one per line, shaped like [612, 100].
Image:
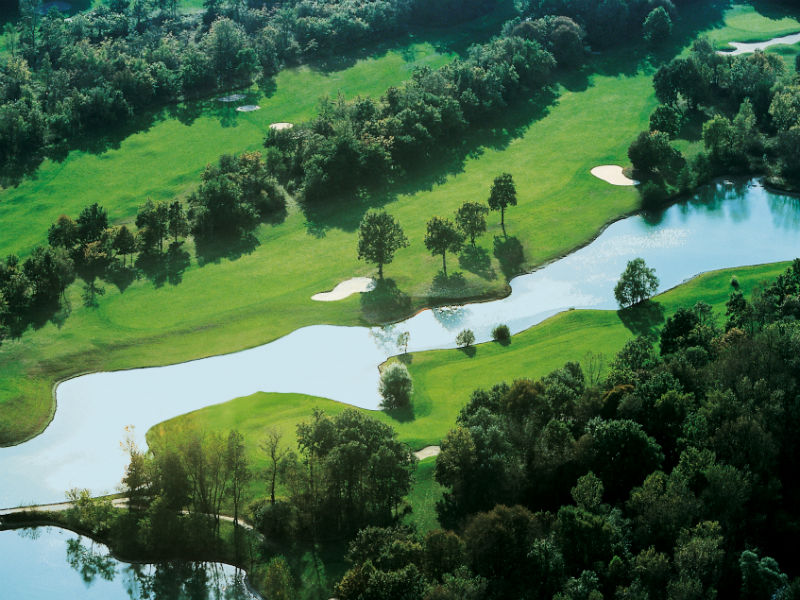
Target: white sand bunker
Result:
[281, 126]
[356, 285]
[248, 108]
[612, 174]
[427, 452]
[744, 48]
[231, 98]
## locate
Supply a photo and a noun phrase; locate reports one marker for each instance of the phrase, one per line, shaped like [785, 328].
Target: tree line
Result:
[748, 106]
[380, 235]
[67, 77]
[672, 477]
[232, 199]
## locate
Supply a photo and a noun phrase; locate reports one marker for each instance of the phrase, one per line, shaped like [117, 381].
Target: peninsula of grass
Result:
[444, 379]
[234, 303]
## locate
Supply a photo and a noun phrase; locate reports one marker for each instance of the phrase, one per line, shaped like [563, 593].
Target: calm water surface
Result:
[48, 563]
[725, 226]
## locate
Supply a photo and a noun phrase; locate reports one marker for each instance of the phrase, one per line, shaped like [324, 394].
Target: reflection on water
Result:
[722, 226]
[77, 567]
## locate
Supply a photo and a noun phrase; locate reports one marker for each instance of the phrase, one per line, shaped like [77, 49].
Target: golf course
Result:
[265, 345]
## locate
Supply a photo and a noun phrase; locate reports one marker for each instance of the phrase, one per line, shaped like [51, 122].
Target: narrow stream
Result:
[725, 225]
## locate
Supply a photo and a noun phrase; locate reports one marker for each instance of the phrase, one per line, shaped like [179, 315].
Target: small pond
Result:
[50, 563]
[726, 225]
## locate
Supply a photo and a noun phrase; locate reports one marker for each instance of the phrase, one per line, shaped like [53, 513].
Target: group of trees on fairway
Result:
[749, 107]
[673, 477]
[368, 143]
[380, 235]
[65, 77]
[231, 200]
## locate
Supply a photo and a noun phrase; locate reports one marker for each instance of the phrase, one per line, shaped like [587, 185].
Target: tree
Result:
[442, 237]
[666, 118]
[272, 448]
[503, 194]
[471, 219]
[152, 221]
[501, 334]
[636, 284]
[657, 26]
[92, 222]
[63, 233]
[123, 242]
[177, 223]
[237, 469]
[402, 341]
[278, 583]
[651, 151]
[761, 578]
[379, 237]
[395, 386]
[465, 338]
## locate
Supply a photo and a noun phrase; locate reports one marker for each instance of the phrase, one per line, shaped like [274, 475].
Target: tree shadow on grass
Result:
[403, 414]
[508, 251]
[644, 318]
[444, 285]
[385, 302]
[469, 351]
[476, 260]
[230, 247]
[164, 267]
[120, 276]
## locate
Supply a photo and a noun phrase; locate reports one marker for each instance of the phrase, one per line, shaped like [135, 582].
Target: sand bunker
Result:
[356, 285]
[281, 126]
[427, 452]
[612, 174]
[744, 48]
[231, 98]
[248, 108]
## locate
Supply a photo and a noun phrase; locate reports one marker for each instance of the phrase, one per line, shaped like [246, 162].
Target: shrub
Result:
[652, 194]
[465, 338]
[395, 386]
[501, 334]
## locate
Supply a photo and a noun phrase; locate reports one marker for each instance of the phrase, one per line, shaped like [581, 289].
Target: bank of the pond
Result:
[722, 225]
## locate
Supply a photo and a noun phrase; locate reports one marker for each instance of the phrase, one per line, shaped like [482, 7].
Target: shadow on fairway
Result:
[508, 251]
[385, 302]
[644, 318]
[477, 260]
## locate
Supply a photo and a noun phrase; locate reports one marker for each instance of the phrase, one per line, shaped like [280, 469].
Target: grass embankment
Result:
[548, 147]
[444, 379]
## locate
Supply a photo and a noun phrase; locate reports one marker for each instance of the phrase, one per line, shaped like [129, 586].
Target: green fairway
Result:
[755, 22]
[444, 379]
[549, 146]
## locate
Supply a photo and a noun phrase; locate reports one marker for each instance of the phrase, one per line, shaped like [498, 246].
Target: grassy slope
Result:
[266, 294]
[444, 379]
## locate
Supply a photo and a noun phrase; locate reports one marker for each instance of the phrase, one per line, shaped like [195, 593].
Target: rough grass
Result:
[548, 144]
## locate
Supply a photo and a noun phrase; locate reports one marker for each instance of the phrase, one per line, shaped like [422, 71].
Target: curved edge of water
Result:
[47, 522]
[441, 301]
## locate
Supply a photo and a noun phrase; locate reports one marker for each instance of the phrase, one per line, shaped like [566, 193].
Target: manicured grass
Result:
[444, 379]
[424, 496]
[228, 305]
[758, 22]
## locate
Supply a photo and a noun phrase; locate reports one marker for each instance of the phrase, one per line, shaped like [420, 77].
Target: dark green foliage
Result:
[666, 118]
[395, 386]
[379, 237]
[471, 219]
[502, 194]
[657, 26]
[637, 283]
[501, 334]
[442, 237]
[465, 338]
[651, 151]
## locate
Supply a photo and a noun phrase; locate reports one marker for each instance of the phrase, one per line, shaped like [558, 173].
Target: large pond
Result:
[54, 564]
[726, 225]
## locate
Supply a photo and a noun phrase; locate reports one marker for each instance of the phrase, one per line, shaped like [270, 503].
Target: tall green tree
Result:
[379, 237]
[637, 283]
[443, 237]
[502, 195]
[471, 219]
[177, 223]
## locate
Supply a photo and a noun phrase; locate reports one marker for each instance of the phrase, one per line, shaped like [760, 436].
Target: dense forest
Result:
[672, 477]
